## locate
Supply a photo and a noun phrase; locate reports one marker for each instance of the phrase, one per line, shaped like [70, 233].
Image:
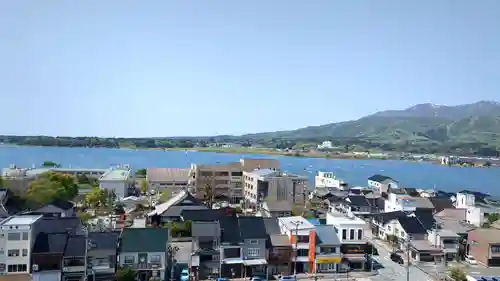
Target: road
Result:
[389, 270]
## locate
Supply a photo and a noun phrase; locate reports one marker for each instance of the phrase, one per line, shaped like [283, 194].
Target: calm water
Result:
[356, 172]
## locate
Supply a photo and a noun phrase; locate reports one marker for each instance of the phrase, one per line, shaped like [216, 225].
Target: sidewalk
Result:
[310, 276]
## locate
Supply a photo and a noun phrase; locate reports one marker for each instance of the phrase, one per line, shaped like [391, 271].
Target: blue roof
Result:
[326, 235]
[314, 221]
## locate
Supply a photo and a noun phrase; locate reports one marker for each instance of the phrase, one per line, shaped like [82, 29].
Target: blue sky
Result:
[184, 68]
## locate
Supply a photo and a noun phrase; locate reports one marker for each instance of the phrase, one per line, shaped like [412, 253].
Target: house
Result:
[254, 237]
[380, 222]
[117, 180]
[172, 179]
[17, 235]
[58, 207]
[280, 208]
[447, 240]
[231, 248]
[47, 255]
[145, 251]
[398, 200]
[182, 256]
[350, 232]
[279, 247]
[408, 227]
[302, 235]
[328, 256]
[172, 209]
[74, 258]
[382, 183]
[356, 205]
[484, 245]
[102, 255]
[440, 203]
[262, 184]
[206, 239]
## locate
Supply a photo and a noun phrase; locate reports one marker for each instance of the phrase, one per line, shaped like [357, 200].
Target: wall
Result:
[120, 187]
[474, 216]
[150, 254]
[261, 245]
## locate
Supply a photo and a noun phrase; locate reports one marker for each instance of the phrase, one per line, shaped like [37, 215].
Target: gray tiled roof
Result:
[144, 239]
[326, 235]
[278, 206]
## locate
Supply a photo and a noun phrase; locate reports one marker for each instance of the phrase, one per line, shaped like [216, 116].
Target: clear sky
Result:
[185, 68]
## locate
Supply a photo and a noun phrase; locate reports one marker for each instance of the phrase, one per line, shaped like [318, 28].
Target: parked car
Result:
[470, 259]
[287, 278]
[397, 258]
[258, 277]
[185, 275]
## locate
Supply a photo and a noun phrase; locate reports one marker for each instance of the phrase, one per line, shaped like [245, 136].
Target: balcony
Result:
[235, 179]
[450, 248]
[144, 266]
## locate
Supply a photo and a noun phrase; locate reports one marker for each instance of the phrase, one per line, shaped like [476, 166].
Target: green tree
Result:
[458, 274]
[96, 197]
[1, 181]
[51, 186]
[125, 274]
[84, 217]
[493, 217]
[208, 193]
[144, 186]
[141, 172]
[50, 164]
[83, 179]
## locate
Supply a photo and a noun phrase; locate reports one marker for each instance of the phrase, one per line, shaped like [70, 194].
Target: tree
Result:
[458, 274]
[51, 186]
[96, 197]
[82, 179]
[84, 217]
[209, 194]
[50, 164]
[125, 274]
[493, 217]
[144, 186]
[141, 172]
[1, 181]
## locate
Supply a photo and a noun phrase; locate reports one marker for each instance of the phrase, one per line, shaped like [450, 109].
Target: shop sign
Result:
[328, 260]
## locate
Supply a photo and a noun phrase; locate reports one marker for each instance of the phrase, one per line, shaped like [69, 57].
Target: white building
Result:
[382, 183]
[17, 237]
[349, 230]
[325, 145]
[399, 202]
[329, 181]
[302, 233]
[118, 180]
[474, 215]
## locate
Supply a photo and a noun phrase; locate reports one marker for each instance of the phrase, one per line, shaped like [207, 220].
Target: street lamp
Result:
[296, 223]
[172, 250]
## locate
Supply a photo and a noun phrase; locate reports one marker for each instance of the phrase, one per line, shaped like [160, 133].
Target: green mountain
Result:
[476, 125]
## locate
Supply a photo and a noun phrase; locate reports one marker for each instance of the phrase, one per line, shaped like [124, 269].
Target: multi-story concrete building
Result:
[302, 235]
[172, 179]
[484, 245]
[261, 184]
[226, 179]
[382, 183]
[117, 179]
[17, 237]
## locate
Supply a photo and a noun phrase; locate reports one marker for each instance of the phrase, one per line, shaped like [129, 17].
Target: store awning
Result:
[255, 262]
[355, 258]
[232, 261]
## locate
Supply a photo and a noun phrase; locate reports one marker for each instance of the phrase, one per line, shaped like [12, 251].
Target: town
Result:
[248, 219]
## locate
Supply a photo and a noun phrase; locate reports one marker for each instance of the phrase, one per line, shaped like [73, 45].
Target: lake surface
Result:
[355, 172]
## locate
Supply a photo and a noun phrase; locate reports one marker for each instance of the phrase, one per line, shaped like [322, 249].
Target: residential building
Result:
[102, 255]
[171, 179]
[145, 251]
[118, 180]
[226, 179]
[61, 208]
[47, 256]
[355, 205]
[280, 249]
[325, 145]
[328, 256]
[447, 240]
[302, 236]
[261, 184]
[206, 239]
[231, 249]
[74, 258]
[382, 183]
[280, 208]
[350, 232]
[254, 237]
[329, 181]
[17, 237]
[380, 223]
[172, 209]
[399, 200]
[484, 245]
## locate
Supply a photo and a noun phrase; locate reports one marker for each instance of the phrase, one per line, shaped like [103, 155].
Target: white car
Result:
[470, 259]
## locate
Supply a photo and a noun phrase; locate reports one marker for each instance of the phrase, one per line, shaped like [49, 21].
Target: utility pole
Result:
[408, 241]
[296, 223]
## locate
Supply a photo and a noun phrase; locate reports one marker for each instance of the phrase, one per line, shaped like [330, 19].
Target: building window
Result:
[155, 258]
[253, 241]
[302, 252]
[360, 234]
[13, 253]
[17, 268]
[344, 234]
[302, 239]
[26, 235]
[236, 174]
[25, 252]
[129, 259]
[253, 252]
[14, 236]
[351, 234]
[206, 174]
[494, 249]
[215, 257]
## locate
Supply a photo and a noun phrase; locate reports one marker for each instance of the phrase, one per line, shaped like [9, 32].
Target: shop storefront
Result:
[327, 264]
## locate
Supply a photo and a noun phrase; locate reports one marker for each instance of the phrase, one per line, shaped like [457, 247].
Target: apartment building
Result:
[261, 184]
[17, 238]
[350, 232]
[172, 179]
[382, 183]
[484, 245]
[118, 180]
[302, 236]
[226, 179]
[328, 255]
